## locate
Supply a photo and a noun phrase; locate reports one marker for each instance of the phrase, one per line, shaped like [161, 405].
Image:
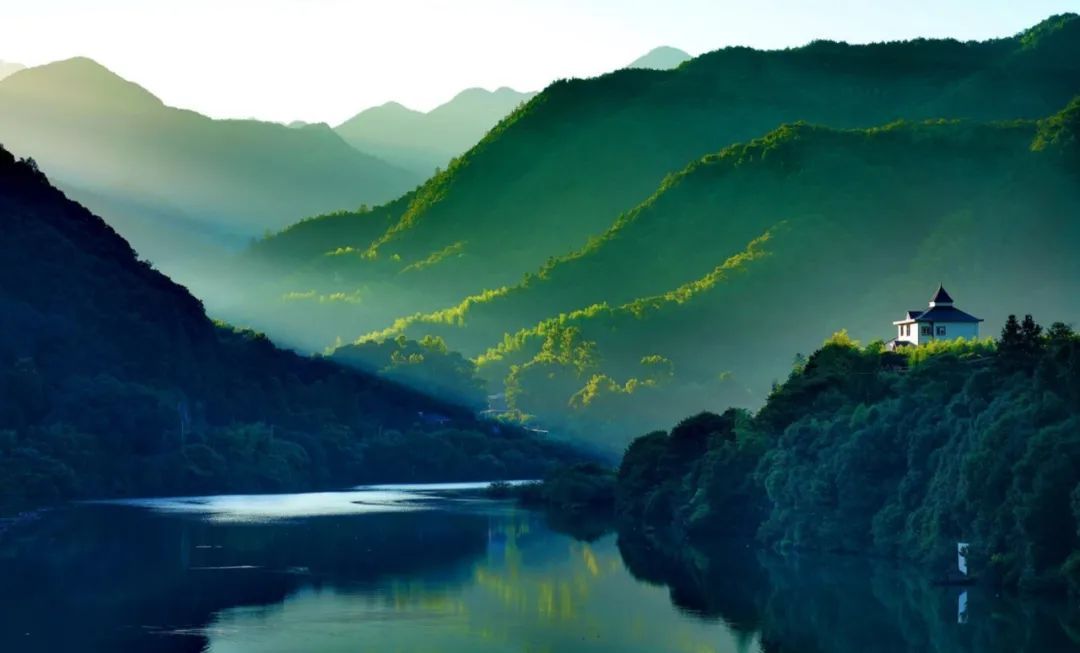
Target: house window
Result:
[926, 331]
[941, 330]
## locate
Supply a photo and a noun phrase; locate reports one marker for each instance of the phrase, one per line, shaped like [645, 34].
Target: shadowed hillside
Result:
[113, 382]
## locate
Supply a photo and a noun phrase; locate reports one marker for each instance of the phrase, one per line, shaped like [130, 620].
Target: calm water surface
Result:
[419, 569]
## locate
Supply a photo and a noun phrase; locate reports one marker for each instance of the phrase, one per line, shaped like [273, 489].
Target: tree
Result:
[1030, 336]
[1011, 344]
[1010, 339]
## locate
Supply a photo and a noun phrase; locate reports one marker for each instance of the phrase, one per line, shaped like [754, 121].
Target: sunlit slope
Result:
[106, 136]
[564, 166]
[765, 248]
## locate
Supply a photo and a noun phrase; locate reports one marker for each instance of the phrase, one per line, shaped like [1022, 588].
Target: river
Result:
[436, 568]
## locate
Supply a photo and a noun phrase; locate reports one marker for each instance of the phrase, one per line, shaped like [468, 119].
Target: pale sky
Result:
[324, 60]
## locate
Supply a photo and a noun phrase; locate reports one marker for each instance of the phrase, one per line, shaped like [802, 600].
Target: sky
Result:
[325, 60]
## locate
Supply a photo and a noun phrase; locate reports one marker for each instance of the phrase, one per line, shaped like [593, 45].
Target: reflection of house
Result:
[941, 321]
[433, 419]
[497, 403]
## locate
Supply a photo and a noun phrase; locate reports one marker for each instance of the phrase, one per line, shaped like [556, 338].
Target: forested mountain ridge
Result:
[686, 302]
[118, 147]
[114, 382]
[563, 168]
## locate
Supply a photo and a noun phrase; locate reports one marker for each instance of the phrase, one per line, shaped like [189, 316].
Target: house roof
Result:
[946, 314]
[941, 297]
[909, 317]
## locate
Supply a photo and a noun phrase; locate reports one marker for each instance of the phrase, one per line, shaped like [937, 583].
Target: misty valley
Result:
[764, 349]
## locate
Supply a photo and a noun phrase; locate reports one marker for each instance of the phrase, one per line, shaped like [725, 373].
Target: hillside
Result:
[899, 455]
[563, 168]
[115, 146]
[688, 300]
[422, 142]
[661, 58]
[113, 382]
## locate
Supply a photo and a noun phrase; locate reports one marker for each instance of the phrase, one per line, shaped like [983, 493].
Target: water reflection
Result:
[435, 570]
[269, 507]
[844, 605]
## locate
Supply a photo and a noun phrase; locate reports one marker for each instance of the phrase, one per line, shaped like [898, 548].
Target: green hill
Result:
[117, 147]
[561, 169]
[686, 301]
[113, 382]
[423, 141]
[899, 455]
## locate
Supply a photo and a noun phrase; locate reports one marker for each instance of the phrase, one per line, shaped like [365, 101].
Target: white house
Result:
[941, 321]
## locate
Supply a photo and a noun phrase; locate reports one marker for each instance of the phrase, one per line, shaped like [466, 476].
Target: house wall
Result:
[913, 338]
[954, 330]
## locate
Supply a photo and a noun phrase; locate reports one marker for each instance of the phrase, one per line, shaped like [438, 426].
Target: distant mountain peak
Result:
[80, 79]
[424, 140]
[662, 58]
[478, 92]
[393, 105]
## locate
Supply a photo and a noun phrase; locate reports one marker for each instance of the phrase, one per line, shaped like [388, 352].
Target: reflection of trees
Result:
[91, 578]
[114, 579]
[727, 585]
[844, 605]
[554, 594]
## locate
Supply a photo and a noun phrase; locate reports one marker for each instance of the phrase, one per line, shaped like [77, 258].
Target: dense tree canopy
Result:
[902, 454]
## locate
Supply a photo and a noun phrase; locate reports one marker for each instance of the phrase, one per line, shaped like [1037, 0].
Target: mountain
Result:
[563, 168]
[115, 146]
[422, 142]
[692, 299]
[8, 68]
[113, 382]
[661, 58]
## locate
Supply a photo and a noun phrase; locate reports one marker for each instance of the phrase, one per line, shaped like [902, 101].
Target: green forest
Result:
[785, 194]
[113, 382]
[689, 300]
[563, 168]
[896, 454]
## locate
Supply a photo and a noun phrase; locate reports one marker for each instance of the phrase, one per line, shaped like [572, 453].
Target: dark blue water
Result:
[422, 569]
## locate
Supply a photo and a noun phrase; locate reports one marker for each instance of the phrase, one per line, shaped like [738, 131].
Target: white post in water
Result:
[961, 557]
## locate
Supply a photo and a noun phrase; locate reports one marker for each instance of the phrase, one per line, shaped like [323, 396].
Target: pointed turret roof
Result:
[941, 297]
